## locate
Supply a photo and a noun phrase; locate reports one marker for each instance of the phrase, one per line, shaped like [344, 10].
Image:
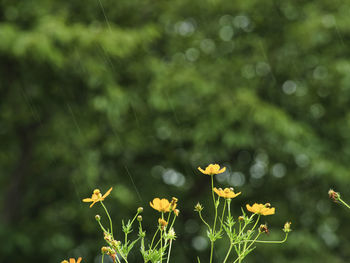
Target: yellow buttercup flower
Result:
[261, 209]
[212, 169]
[227, 193]
[161, 205]
[97, 196]
[72, 260]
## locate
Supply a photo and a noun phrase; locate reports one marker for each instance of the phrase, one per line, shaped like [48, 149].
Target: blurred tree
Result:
[137, 94]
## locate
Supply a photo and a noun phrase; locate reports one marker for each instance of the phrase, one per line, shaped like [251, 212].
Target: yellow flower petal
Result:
[212, 169]
[260, 209]
[107, 193]
[161, 205]
[226, 193]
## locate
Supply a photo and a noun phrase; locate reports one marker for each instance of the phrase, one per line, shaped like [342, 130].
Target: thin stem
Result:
[228, 252]
[172, 223]
[240, 229]
[215, 206]
[341, 200]
[223, 213]
[200, 215]
[154, 237]
[241, 232]
[241, 256]
[161, 245]
[216, 214]
[103, 229]
[142, 238]
[211, 251]
[272, 241]
[170, 243]
[110, 220]
[102, 258]
[255, 223]
[212, 188]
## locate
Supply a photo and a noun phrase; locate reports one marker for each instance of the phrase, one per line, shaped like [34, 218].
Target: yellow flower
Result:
[227, 193]
[72, 260]
[161, 205]
[261, 209]
[97, 196]
[212, 169]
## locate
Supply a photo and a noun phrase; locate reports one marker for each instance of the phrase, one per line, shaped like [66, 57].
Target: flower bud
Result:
[286, 227]
[177, 212]
[64, 261]
[115, 243]
[172, 234]
[139, 218]
[140, 210]
[173, 203]
[267, 205]
[104, 250]
[263, 229]
[162, 223]
[335, 196]
[97, 217]
[241, 218]
[198, 207]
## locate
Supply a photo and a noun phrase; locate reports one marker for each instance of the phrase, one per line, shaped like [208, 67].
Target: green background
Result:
[136, 94]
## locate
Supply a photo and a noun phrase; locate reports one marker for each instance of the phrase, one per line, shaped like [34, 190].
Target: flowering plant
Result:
[242, 232]
[241, 237]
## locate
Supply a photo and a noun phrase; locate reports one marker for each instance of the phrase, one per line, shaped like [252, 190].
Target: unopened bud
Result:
[115, 243]
[198, 207]
[140, 210]
[97, 217]
[64, 261]
[241, 218]
[263, 229]
[162, 223]
[335, 196]
[104, 250]
[139, 218]
[177, 212]
[267, 205]
[286, 227]
[173, 203]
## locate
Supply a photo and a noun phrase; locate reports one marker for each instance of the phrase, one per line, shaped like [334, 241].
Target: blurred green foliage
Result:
[136, 94]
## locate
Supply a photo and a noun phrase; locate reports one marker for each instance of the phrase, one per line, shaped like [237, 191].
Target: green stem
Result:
[241, 256]
[216, 215]
[222, 216]
[154, 237]
[341, 200]
[215, 206]
[271, 242]
[228, 252]
[103, 229]
[211, 251]
[170, 243]
[110, 220]
[200, 215]
[172, 223]
[161, 245]
[255, 223]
